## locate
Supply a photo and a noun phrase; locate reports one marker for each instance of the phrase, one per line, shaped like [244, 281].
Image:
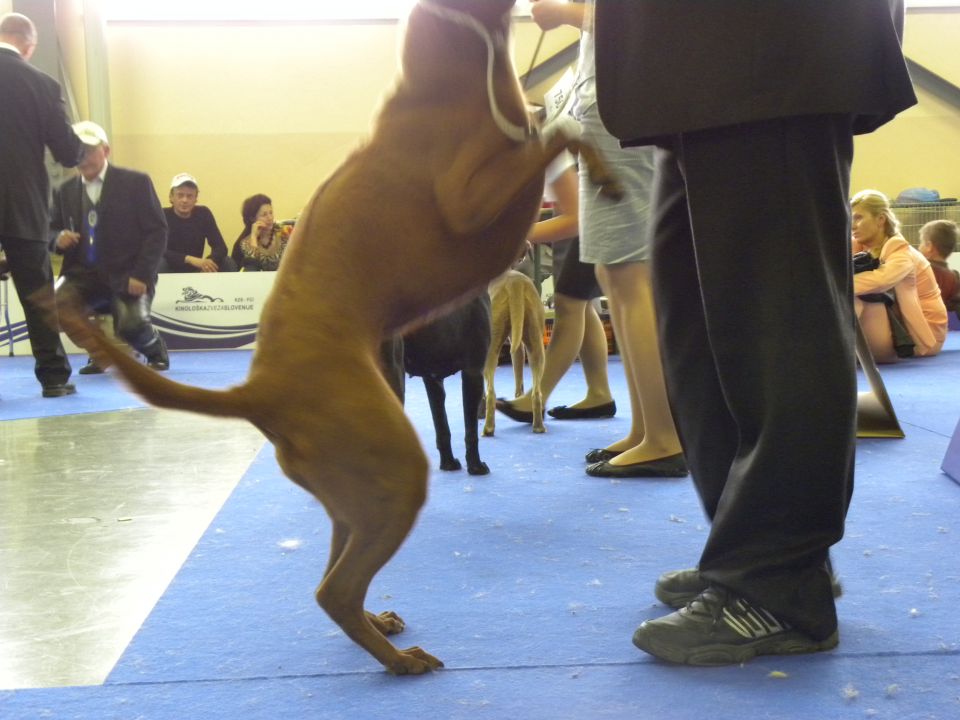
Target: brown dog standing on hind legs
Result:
[458, 180]
[516, 308]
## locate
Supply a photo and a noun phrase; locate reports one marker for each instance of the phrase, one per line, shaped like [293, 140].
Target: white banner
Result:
[193, 311]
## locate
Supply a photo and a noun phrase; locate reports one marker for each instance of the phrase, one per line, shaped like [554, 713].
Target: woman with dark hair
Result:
[262, 242]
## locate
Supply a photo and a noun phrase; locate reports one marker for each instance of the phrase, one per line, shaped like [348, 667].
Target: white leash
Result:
[515, 132]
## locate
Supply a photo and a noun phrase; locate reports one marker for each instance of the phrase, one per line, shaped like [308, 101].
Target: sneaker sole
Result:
[788, 643]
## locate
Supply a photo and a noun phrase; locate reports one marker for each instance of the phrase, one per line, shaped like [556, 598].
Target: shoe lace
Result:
[709, 603]
[722, 606]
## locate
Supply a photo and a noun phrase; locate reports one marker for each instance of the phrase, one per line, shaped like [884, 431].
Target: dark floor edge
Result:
[544, 666]
[919, 427]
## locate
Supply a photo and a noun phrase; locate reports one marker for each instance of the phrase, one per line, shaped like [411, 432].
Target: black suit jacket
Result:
[671, 66]
[131, 233]
[32, 117]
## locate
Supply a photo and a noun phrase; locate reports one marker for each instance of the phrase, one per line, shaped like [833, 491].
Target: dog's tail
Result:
[150, 385]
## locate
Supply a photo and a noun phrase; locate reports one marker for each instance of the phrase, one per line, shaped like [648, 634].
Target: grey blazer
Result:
[671, 66]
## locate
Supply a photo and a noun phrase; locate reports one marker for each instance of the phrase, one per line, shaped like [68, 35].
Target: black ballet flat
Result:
[600, 455]
[671, 466]
[562, 412]
[522, 416]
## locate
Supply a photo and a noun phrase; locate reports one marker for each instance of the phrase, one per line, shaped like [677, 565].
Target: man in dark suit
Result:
[112, 234]
[33, 116]
[753, 107]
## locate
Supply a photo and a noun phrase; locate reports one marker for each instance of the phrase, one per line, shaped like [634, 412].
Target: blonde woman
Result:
[904, 272]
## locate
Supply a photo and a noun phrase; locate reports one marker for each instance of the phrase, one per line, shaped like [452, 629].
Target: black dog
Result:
[457, 342]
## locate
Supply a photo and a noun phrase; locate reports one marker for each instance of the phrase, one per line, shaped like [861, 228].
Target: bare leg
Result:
[629, 293]
[615, 304]
[876, 330]
[593, 359]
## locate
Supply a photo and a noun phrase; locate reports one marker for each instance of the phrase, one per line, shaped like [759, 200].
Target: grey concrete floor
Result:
[90, 535]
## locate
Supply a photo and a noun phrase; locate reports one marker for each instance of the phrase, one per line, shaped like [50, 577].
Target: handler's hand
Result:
[136, 287]
[201, 264]
[548, 14]
[67, 239]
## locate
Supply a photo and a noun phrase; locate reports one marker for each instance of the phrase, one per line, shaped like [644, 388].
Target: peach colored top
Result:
[907, 272]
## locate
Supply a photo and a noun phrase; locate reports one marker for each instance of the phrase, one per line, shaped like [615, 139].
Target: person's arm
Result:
[550, 14]
[218, 247]
[894, 267]
[236, 254]
[58, 134]
[565, 223]
[62, 235]
[175, 257]
[953, 300]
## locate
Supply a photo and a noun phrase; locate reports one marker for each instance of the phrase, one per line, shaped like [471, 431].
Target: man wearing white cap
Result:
[189, 228]
[33, 116]
[112, 234]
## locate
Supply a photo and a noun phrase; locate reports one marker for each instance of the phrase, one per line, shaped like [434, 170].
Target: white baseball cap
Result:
[184, 179]
[90, 133]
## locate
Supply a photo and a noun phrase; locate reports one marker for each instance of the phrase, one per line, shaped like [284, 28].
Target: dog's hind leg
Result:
[472, 389]
[536, 355]
[377, 521]
[372, 494]
[498, 327]
[388, 622]
[517, 358]
[437, 397]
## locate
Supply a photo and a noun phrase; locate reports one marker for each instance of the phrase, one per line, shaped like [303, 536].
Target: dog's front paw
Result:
[450, 464]
[388, 623]
[478, 468]
[414, 661]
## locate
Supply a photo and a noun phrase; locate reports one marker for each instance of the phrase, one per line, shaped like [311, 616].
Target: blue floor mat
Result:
[20, 391]
[528, 584]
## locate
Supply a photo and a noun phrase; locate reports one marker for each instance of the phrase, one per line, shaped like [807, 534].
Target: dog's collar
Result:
[515, 132]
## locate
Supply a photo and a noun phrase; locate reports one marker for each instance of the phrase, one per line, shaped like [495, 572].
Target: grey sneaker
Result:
[678, 588]
[720, 628]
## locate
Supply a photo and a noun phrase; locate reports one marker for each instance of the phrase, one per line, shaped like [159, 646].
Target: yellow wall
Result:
[73, 48]
[274, 107]
[250, 108]
[931, 38]
[917, 149]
